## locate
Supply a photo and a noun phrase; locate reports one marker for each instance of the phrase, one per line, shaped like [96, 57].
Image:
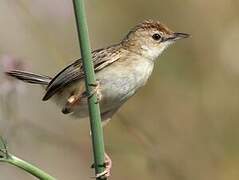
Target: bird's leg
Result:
[73, 99]
[71, 102]
[107, 165]
[108, 162]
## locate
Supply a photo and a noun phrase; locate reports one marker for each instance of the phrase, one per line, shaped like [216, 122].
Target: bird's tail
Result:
[29, 77]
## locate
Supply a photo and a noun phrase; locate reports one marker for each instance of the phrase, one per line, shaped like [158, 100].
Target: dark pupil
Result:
[156, 37]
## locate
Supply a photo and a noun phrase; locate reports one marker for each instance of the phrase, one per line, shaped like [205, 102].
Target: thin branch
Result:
[94, 110]
[5, 156]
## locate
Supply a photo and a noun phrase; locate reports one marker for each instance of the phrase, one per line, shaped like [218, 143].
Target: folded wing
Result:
[74, 72]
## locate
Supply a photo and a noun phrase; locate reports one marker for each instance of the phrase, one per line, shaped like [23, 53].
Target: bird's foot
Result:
[95, 90]
[107, 165]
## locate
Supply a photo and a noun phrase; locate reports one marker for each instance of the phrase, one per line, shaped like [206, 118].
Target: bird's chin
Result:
[165, 45]
[153, 53]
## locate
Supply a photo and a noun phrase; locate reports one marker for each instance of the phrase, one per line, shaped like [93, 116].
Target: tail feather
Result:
[29, 77]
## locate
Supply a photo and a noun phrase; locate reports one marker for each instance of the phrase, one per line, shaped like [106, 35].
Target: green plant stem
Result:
[27, 167]
[94, 110]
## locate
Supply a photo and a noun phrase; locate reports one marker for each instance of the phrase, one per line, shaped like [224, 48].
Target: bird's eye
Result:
[156, 37]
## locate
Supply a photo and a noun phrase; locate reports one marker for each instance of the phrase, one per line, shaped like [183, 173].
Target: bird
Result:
[121, 70]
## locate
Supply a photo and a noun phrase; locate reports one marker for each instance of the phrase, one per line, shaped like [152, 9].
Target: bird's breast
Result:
[122, 79]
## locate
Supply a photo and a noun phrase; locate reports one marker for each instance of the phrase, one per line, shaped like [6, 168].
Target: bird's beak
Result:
[176, 36]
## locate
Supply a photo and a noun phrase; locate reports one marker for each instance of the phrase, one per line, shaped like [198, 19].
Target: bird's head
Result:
[151, 38]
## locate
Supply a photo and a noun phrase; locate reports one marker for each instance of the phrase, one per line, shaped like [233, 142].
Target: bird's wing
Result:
[73, 72]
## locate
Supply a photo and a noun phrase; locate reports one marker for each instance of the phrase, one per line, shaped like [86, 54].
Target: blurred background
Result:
[182, 125]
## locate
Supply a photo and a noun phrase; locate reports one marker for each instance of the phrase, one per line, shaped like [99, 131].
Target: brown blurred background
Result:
[183, 125]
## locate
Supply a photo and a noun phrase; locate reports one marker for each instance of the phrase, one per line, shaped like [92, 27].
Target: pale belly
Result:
[118, 82]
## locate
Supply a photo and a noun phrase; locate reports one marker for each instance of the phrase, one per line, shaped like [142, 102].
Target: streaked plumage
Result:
[121, 70]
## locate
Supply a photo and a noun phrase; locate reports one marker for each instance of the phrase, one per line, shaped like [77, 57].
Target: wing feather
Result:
[73, 72]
